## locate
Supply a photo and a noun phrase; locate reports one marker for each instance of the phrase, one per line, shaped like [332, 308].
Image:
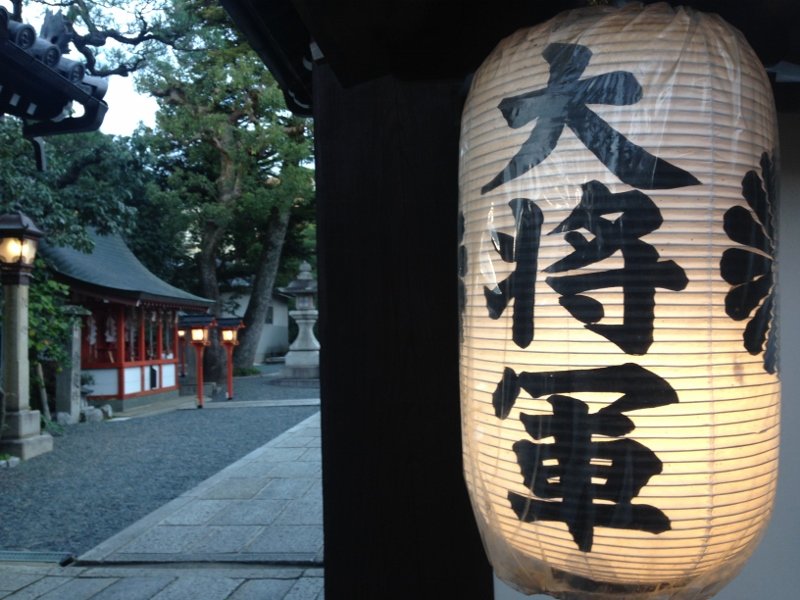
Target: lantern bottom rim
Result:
[569, 586]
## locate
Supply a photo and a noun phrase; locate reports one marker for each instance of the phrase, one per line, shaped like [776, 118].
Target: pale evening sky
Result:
[126, 108]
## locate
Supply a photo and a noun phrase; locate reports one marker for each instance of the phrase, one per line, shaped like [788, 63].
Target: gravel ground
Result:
[102, 477]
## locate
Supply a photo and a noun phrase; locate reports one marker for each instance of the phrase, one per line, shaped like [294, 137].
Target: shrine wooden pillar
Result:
[121, 344]
[397, 518]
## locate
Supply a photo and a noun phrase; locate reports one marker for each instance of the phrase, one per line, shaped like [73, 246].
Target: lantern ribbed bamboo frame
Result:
[706, 107]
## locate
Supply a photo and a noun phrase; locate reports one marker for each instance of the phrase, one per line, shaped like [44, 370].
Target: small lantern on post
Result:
[229, 336]
[199, 327]
[19, 238]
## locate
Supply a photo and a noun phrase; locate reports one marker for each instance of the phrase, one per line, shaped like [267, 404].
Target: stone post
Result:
[23, 436]
[68, 379]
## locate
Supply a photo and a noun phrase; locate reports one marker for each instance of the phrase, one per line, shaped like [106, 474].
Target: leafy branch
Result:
[94, 25]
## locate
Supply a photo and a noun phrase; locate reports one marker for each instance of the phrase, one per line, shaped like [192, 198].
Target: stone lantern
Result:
[23, 437]
[302, 361]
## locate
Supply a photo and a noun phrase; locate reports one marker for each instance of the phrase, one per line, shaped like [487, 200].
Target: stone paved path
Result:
[252, 531]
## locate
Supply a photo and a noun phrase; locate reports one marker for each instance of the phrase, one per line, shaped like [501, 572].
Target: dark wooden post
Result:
[159, 338]
[140, 341]
[122, 344]
[397, 517]
[199, 349]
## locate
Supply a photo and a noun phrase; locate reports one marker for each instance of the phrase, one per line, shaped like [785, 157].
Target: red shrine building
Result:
[129, 338]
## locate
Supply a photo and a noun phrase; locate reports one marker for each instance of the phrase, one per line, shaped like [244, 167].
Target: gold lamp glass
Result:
[229, 330]
[16, 250]
[19, 239]
[619, 387]
[199, 335]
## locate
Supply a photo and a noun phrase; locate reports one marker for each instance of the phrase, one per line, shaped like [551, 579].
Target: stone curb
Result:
[215, 404]
[9, 463]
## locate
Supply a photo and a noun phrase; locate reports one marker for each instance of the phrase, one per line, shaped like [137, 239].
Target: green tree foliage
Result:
[229, 153]
[158, 235]
[216, 189]
[49, 324]
[88, 181]
[115, 37]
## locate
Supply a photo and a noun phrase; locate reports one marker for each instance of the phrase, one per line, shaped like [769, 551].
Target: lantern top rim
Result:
[19, 225]
[196, 321]
[303, 284]
[230, 323]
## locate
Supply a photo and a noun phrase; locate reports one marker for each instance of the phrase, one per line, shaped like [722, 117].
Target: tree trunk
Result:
[214, 357]
[44, 404]
[229, 189]
[2, 412]
[261, 296]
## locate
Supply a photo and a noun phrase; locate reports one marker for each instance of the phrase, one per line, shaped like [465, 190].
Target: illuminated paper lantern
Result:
[620, 401]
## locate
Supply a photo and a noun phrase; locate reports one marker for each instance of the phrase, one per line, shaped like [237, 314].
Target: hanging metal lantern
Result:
[620, 401]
